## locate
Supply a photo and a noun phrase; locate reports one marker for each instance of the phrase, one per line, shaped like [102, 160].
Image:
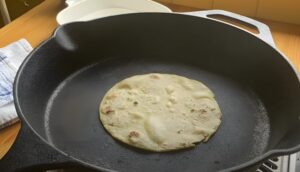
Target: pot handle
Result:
[30, 153]
[264, 30]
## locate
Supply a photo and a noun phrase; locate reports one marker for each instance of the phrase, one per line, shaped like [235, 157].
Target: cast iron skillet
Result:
[60, 85]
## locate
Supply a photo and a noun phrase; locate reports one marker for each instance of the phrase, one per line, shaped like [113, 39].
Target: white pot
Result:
[85, 10]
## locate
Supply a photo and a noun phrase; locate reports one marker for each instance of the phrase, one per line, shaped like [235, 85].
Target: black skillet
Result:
[60, 85]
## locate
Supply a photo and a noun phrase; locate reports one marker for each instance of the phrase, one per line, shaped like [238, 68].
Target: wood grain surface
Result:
[39, 23]
[278, 10]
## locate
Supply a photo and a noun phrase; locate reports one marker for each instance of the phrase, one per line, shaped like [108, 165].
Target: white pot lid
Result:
[85, 10]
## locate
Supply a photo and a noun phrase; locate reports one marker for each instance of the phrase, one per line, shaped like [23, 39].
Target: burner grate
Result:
[278, 164]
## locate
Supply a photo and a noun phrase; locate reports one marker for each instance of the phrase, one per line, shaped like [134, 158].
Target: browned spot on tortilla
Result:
[125, 86]
[133, 134]
[107, 110]
[154, 77]
[112, 96]
[202, 111]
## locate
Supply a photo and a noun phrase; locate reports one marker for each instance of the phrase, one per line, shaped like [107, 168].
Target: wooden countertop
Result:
[39, 23]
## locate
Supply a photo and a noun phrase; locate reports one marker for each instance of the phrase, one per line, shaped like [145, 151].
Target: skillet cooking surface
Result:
[74, 125]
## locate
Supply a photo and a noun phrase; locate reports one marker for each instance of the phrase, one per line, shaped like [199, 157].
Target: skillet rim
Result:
[255, 161]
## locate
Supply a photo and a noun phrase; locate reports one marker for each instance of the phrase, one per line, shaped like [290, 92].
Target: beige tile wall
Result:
[277, 10]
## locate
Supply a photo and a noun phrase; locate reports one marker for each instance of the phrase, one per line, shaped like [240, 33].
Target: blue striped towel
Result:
[11, 58]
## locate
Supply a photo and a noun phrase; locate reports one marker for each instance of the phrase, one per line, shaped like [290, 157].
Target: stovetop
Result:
[289, 163]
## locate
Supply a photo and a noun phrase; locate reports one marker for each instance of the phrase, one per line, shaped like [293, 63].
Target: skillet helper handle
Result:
[30, 153]
[264, 30]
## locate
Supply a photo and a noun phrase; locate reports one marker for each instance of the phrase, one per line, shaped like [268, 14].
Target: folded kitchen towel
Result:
[11, 58]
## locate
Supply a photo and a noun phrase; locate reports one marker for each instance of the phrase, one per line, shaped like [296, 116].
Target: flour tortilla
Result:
[160, 112]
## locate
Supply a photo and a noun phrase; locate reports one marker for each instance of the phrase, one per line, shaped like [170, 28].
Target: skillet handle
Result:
[264, 30]
[30, 153]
